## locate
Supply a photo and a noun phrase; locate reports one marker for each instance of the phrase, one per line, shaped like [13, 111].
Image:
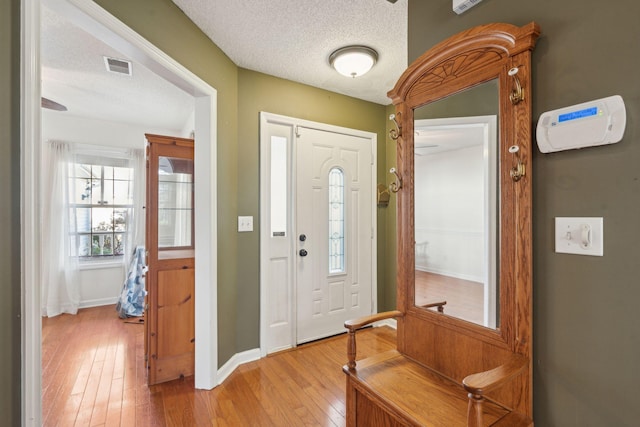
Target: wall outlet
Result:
[245, 223]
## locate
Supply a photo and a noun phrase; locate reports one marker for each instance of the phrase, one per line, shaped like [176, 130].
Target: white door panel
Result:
[332, 290]
[301, 298]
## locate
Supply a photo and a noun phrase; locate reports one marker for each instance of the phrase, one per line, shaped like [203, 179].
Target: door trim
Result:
[270, 118]
[97, 21]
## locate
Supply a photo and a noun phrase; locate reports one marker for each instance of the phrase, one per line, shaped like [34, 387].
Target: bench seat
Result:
[390, 389]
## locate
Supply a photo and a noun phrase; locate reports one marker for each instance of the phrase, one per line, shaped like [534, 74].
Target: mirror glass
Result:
[457, 205]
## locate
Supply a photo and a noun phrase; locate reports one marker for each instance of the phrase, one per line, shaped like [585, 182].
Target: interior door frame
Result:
[97, 21]
[270, 118]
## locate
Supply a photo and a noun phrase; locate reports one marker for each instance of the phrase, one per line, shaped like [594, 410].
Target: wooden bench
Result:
[447, 371]
[390, 389]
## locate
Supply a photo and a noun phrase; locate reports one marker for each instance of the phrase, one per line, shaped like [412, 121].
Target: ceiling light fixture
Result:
[353, 61]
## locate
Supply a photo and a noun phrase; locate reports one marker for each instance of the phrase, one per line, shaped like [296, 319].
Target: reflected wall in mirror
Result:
[456, 205]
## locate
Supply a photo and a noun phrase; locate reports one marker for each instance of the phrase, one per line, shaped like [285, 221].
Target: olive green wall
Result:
[586, 320]
[241, 95]
[164, 25]
[10, 212]
[260, 92]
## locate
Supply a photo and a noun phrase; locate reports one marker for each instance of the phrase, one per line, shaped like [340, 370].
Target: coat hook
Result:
[397, 132]
[383, 195]
[517, 94]
[395, 186]
[518, 171]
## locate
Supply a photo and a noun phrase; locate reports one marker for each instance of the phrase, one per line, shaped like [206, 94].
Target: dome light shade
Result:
[353, 61]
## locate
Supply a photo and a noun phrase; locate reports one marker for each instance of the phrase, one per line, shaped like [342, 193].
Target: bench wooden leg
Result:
[351, 349]
[474, 410]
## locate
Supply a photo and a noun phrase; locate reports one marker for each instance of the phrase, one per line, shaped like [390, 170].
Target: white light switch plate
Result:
[245, 223]
[581, 236]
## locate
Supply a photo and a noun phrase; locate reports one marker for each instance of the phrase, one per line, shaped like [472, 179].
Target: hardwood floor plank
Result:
[261, 386]
[103, 395]
[86, 365]
[227, 414]
[94, 375]
[282, 393]
[61, 382]
[114, 405]
[128, 411]
[69, 412]
[178, 403]
[310, 379]
[89, 394]
[201, 408]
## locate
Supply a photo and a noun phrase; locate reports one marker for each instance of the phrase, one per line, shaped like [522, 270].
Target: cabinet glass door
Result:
[175, 203]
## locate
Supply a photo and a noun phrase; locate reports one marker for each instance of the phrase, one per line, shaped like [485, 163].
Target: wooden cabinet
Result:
[170, 324]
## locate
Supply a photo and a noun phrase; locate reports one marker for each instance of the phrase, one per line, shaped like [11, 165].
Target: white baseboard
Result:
[235, 361]
[98, 302]
[392, 323]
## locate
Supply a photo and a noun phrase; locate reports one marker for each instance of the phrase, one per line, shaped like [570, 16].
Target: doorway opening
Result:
[96, 21]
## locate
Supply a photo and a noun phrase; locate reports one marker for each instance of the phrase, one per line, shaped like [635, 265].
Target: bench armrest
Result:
[440, 305]
[482, 382]
[363, 321]
[478, 384]
[355, 324]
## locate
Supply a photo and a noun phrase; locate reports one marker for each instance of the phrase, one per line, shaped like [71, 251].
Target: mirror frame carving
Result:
[463, 61]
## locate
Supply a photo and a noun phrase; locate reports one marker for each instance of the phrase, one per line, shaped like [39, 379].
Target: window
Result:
[101, 198]
[336, 221]
[279, 201]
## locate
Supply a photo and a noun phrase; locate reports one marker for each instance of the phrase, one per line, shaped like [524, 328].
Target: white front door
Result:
[334, 223]
[309, 295]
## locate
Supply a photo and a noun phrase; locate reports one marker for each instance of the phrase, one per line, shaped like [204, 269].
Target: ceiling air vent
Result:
[119, 66]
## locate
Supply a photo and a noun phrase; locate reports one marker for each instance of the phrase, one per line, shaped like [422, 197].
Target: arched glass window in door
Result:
[336, 221]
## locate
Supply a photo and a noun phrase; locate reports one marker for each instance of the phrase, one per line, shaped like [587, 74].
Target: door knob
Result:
[303, 252]
[303, 237]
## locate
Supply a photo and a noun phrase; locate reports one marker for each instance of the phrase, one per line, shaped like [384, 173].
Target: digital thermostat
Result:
[592, 123]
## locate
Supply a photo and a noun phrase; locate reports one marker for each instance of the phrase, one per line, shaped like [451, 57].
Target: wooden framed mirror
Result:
[463, 111]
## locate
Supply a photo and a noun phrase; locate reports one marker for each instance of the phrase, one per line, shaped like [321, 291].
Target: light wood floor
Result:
[93, 375]
[465, 299]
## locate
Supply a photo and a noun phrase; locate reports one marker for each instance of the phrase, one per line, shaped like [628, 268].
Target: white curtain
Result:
[60, 285]
[136, 217]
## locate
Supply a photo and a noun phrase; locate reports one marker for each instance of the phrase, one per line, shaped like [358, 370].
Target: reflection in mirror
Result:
[175, 202]
[456, 205]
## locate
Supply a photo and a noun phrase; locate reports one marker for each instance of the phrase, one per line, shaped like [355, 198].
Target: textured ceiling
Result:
[284, 38]
[74, 74]
[293, 39]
